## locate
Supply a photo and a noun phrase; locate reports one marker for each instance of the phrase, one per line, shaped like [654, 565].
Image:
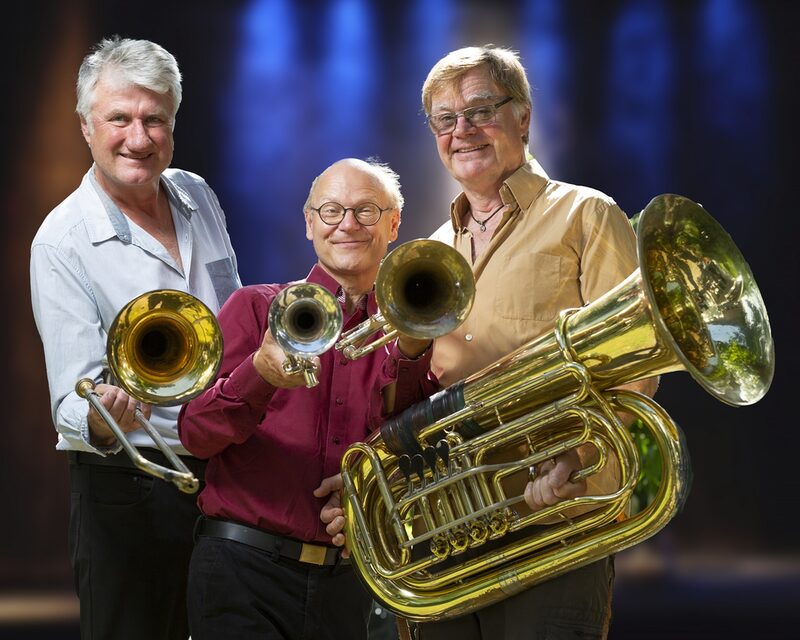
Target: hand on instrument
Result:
[332, 513]
[551, 483]
[121, 407]
[268, 361]
[412, 348]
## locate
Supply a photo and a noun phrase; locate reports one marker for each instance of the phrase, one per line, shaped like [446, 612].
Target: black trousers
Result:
[574, 606]
[239, 592]
[130, 541]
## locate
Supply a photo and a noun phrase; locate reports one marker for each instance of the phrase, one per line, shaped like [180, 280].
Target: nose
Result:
[463, 126]
[349, 222]
[138, 137]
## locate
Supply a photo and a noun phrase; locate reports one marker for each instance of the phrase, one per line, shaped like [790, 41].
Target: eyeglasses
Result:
[367, 213]
[443, 123]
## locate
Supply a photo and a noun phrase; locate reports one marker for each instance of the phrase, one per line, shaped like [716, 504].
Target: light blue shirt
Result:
[88, 260]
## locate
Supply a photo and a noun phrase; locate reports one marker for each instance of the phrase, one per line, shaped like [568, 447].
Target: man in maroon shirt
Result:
[264, 566]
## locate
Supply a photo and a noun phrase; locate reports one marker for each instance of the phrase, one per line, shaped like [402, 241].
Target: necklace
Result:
[482, 223]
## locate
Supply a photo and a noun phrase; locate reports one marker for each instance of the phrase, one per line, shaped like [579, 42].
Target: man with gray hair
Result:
[132, 226]
[264, 565]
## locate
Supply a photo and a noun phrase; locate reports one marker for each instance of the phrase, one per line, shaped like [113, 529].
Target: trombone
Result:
[424, 289]
[164, 348]
[305, 319]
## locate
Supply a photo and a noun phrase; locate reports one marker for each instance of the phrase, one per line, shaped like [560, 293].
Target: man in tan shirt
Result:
[536, 246]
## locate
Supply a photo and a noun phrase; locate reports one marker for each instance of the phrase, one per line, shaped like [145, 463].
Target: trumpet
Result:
[424, 289]
[305, 319]
[436, 481]
[164, 348]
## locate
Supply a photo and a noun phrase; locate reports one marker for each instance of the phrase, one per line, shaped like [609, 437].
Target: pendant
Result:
[482, 226]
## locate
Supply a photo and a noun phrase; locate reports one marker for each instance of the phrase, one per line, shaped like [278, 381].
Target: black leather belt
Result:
[287, 547]
[121, 459]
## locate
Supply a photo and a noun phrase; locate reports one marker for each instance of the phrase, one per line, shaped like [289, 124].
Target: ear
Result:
[85, 131]
[309, 232]
[525, 122]
[394, 225]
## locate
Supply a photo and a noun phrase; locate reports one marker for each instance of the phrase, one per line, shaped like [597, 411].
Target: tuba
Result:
[164, 348]
[305, 319]
[424, 289]
[436, 521]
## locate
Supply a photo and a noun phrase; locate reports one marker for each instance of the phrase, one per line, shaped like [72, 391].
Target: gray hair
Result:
[379, 170]
[136, 62]
[504, 66]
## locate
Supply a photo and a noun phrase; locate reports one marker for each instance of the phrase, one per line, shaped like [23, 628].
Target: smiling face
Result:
[480, 158]
[130, 135]
[349, 251]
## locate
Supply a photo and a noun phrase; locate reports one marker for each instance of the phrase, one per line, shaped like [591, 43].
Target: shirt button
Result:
[339, 402]
[468, 337]
[337, 440]
[343, 361]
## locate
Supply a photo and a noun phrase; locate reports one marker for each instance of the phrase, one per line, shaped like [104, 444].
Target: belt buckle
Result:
[313, 554]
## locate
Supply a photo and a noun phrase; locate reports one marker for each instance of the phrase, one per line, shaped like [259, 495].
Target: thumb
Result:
[329, 485]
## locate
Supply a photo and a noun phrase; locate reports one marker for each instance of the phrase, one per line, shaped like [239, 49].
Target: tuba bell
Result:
[305, 319]
[164, 348]
[424, 289]
[436, 521]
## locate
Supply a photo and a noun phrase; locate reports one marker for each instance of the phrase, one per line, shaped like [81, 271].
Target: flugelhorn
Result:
[164, 348]
[424, 289]
[435, 516]
[305, 319]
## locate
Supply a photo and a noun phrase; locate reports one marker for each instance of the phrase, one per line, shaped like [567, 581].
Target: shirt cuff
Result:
[248, 385]
[398, 365]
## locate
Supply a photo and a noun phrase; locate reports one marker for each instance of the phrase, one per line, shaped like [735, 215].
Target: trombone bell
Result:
[164, 347]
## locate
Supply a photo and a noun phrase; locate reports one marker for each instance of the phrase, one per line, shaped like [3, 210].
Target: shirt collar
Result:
[110, 221]
[521, 188]
[318, 275]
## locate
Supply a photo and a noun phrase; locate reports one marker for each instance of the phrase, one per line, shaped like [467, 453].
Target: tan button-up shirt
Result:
[558, 246]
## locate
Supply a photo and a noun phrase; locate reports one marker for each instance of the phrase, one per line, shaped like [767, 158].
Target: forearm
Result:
[401, 383]
[226, 413]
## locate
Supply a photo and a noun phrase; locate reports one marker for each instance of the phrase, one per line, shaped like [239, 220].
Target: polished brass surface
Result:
[163, 348]
[424, 289]
[435, 515]
[305, 319]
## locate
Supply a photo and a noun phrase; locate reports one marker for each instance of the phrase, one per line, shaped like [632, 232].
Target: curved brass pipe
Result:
[435, 516]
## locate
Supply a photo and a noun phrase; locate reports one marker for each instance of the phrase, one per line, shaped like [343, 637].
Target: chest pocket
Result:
[527, 287]
[223, 278]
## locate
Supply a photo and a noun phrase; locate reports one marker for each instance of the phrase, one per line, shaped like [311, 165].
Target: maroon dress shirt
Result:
[269, 448]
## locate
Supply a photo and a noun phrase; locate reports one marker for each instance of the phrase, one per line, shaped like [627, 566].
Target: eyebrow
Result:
[470, 102]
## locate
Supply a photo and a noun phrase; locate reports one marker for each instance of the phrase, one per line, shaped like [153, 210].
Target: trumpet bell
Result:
[424, 289]
[164, 347]
[305, 319]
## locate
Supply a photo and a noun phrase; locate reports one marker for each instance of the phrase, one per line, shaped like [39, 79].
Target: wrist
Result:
[413, 349]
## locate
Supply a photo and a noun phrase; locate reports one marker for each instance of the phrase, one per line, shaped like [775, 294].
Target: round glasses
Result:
[484, 114]
[367, 213]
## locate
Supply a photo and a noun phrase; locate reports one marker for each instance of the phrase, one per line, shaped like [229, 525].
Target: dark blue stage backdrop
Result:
[635, 98]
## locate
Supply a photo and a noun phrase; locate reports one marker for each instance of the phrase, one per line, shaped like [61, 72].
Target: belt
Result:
[121, 459]
[287, 547]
